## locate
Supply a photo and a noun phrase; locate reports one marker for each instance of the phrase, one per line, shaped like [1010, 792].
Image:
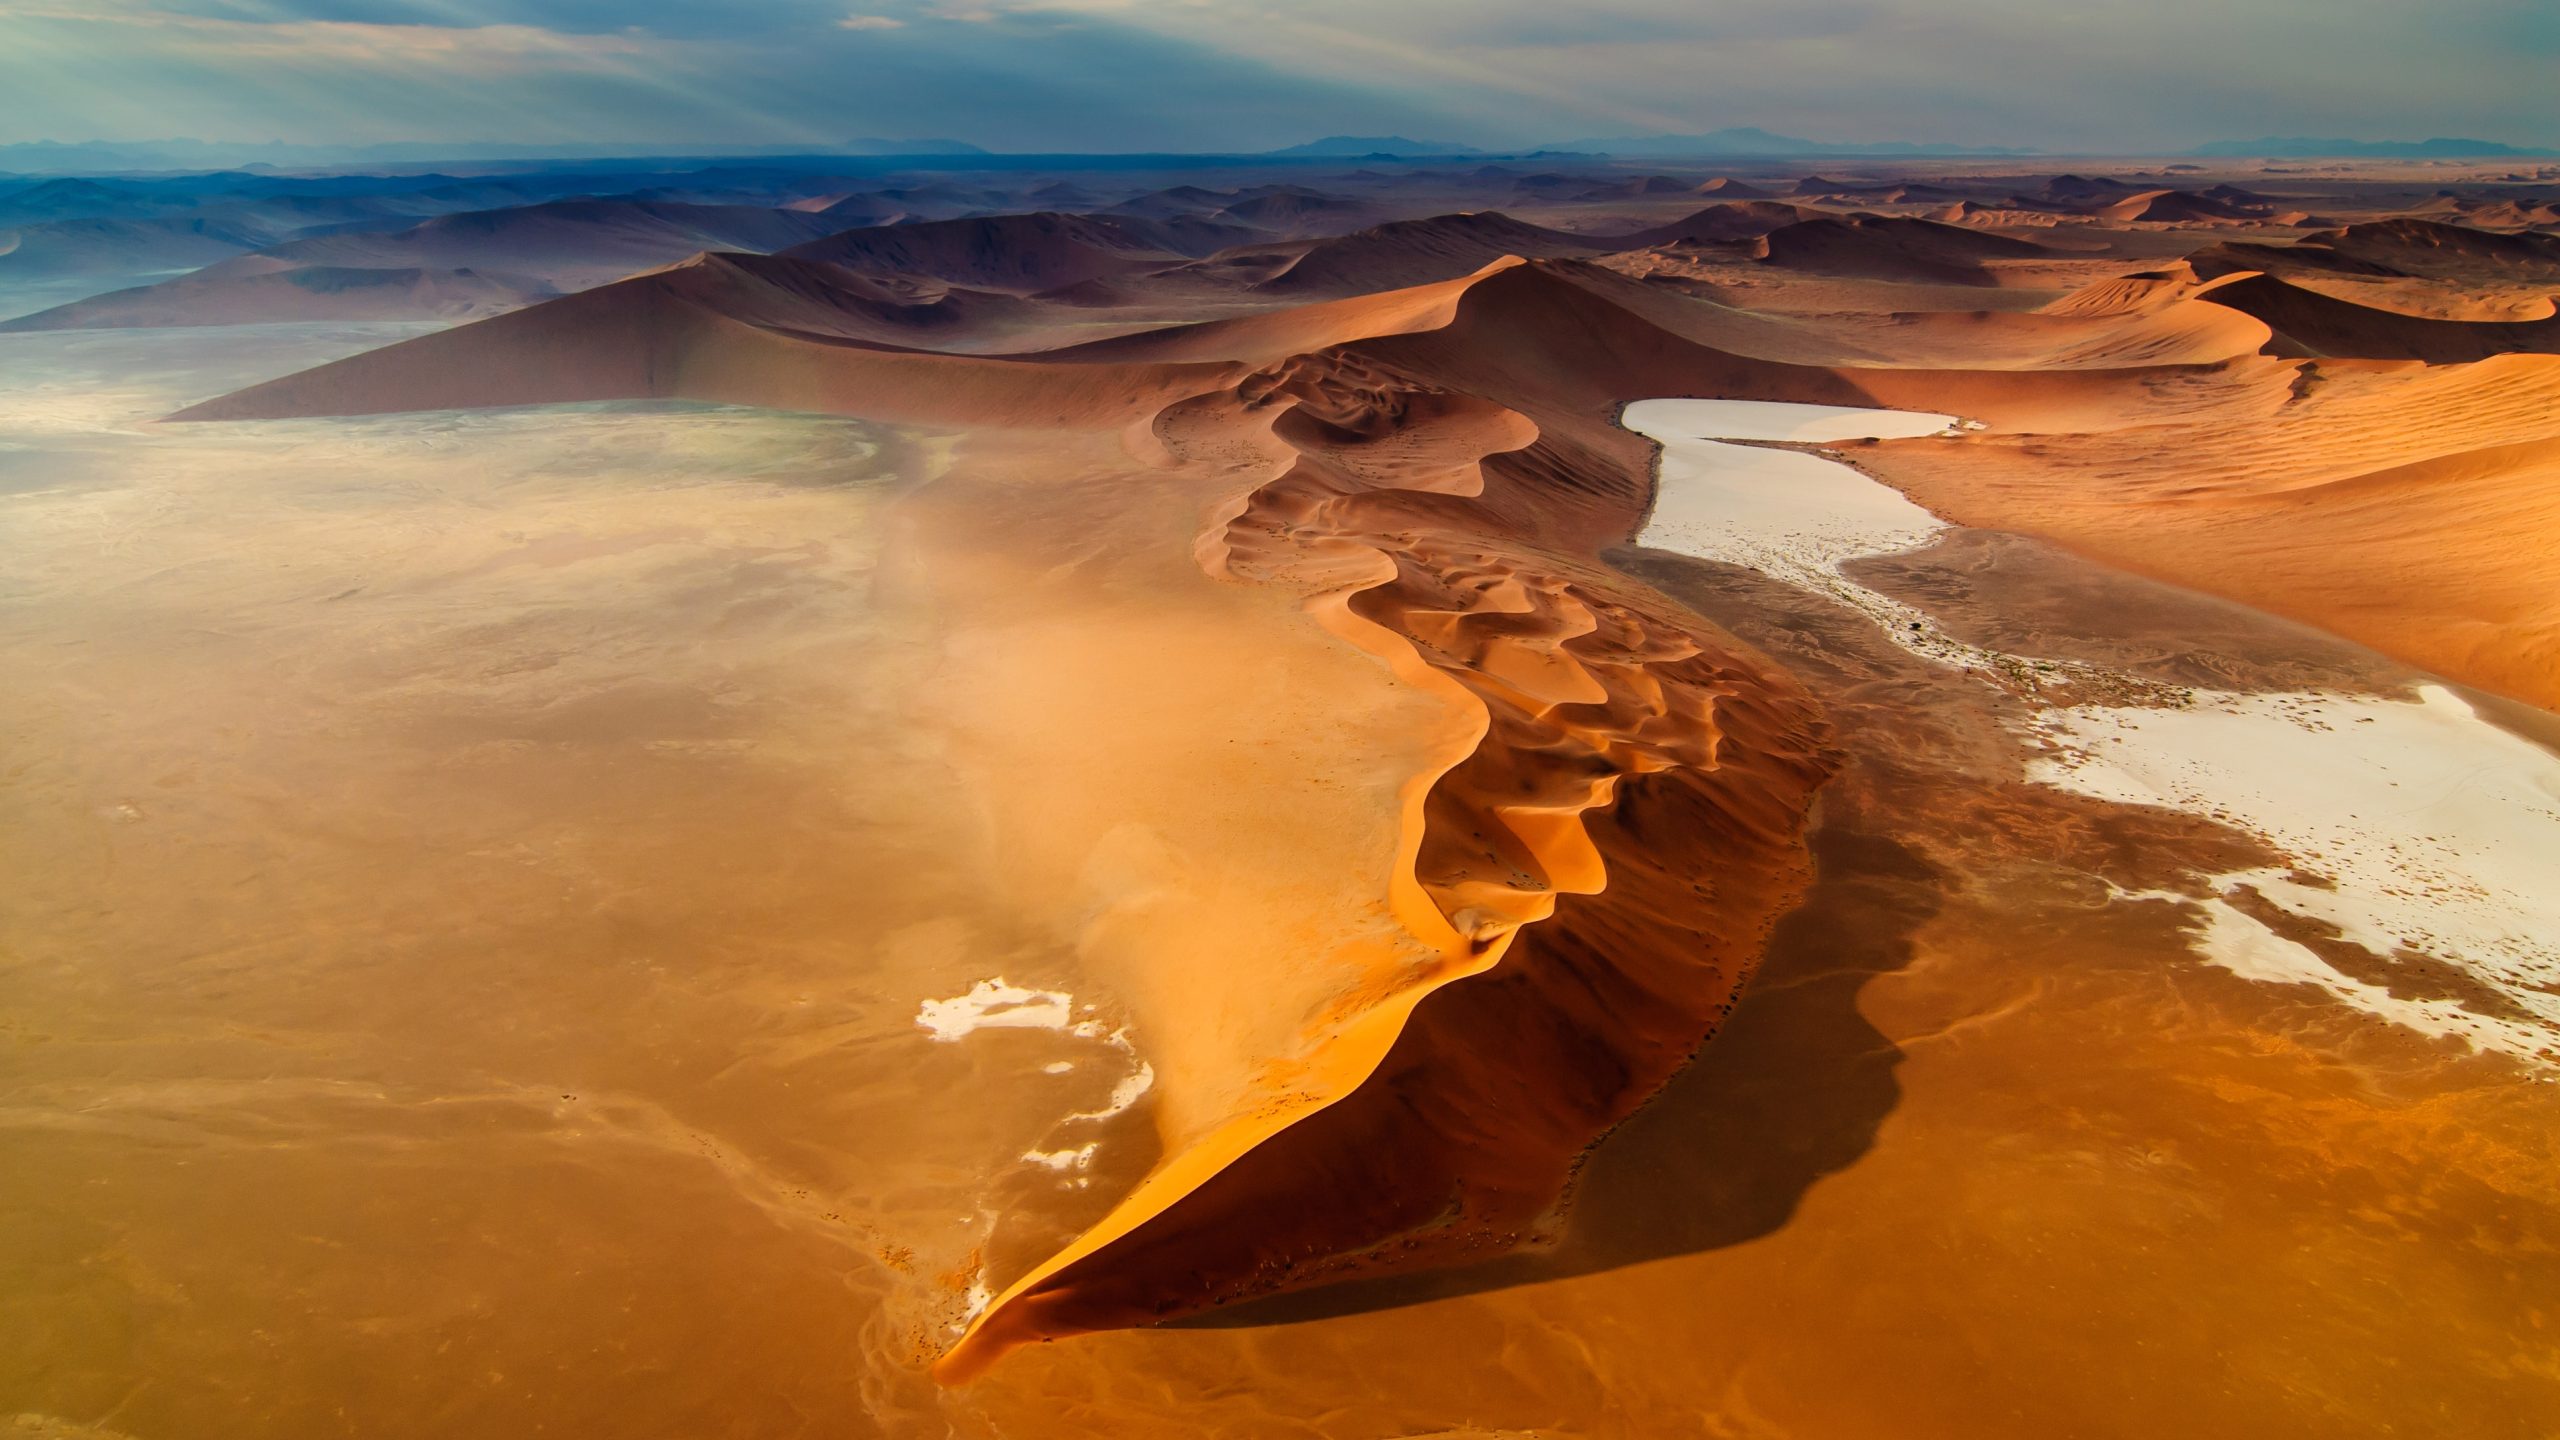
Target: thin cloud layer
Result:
[1250, 74]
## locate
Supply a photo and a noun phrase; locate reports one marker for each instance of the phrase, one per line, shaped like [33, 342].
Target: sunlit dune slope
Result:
[2428, 247]
[2171, 207]
[1632, 757]
[2306, 323]
[1742, 220]
[2410, 508]
[1887, 247]
[1402, 253]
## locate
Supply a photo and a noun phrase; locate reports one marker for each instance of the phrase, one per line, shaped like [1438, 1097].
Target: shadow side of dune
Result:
[1791, 1090]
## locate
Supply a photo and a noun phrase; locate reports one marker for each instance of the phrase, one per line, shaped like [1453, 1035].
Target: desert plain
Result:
[1347, 800]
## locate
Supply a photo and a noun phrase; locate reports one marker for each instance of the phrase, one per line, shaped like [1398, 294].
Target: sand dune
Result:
[2435, 552]
[660, 336]
[2306, 323]
[1021, 253]
[2427, 247]
[1296, 212]
[2132, 322]
[2214, 261]
[1475, 571]
[117, 247]
[569, 243]
[1638, 188]
[1175, 201]
[1274, 335]
[2171, 207]
[2087, 189]
[814, 299]
[72, 198]
[2230, 194]
[1740, 220]
[1886, 247]
[1413, 252]
[1995, 216]
[261, 290]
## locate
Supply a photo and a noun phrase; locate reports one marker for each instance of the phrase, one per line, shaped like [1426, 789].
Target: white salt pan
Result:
[2431, 830]
[999, 1004]
[994, 1005]
[2438, 832]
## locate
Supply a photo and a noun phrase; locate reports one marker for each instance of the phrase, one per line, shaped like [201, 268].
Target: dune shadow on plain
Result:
[1792, 1089]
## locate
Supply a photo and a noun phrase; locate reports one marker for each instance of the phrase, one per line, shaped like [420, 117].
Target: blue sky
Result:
[1251, 74]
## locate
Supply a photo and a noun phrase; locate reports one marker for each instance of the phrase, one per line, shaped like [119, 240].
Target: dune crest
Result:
[1379, 1153]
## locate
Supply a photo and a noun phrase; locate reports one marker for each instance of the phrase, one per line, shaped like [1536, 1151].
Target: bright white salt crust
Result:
[2431, 830]
[999, 1004]
[1782, 512]
[996, 1004]
[2439, 831]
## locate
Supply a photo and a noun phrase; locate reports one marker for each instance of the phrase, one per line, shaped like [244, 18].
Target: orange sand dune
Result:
[2215, 261]
[2411, 509]
[1887, 247]
[2124, 324]
[2086, 189]
[2179, 333]
[2428, 247]
[2308, 324]
[2129, 294]
[2173, 207]
[809, 298]
[1415, 252]
[2131, 363]
[1383, 1154]
[1275, 334]
[1740, 220]
[1993, 217]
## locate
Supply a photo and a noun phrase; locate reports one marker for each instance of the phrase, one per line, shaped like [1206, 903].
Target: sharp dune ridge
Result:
[1596, 707]
[2305, 323]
